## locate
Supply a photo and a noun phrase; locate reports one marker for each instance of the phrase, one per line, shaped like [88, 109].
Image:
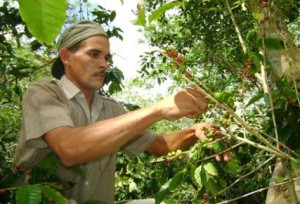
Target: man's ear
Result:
[64, 55]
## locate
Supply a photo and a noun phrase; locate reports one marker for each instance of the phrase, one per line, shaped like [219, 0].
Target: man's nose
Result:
[103, 63]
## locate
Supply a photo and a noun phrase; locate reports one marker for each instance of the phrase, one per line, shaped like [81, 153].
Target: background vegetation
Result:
[243, 54]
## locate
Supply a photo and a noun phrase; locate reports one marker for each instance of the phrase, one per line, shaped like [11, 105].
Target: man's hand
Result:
[200, 131]
[188, 103]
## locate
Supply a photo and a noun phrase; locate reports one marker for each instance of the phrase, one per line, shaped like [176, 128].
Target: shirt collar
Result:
[69, 88]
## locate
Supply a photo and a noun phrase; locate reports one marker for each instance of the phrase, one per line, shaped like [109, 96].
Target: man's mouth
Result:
[100, 74]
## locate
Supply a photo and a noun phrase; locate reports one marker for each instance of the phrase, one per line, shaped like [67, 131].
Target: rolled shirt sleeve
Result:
[43, 110]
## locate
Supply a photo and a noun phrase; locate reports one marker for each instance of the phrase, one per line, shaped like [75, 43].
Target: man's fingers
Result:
[197, 90]
[226, 156]
[194, 112]
[201, 104]
[219, 157]
[202, 128]
[194, 101]
[198, 93]
[192, 115]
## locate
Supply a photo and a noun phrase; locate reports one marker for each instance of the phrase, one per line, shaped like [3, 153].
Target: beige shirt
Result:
[49, 104]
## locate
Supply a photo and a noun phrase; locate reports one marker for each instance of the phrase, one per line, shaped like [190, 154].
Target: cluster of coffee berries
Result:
[205, 196]
[225, 119]
[16, 169]
[265, 5]
[292, 101]
[209, 133]
[3, 191]
[246, 71]
[174, 55]
[175, 154]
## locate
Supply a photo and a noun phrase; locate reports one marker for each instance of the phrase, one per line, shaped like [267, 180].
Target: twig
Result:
[9, 131]
[237, 30]
[296, 90]
[254, 144]
[227, 150]
[283, 145]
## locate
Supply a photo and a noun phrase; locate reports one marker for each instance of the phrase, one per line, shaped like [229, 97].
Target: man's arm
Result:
[183, 139]
[79, 145]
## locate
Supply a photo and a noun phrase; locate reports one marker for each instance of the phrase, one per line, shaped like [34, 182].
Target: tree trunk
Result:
[287, 60]
[284, 194]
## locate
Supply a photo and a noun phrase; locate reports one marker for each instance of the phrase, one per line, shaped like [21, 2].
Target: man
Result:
[68, 117]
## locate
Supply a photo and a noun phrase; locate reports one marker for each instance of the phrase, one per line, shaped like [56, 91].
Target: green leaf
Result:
[29, 194]
[49, 163]
[176, 180]
[210, 169]
[232, 166]
[162, 193]
[256, 58]
[141, 20]
[258, 16]
[224, 97]
[280, 179]
[169, 186]
[62, 185]
[161, 10]
[44, 18]
[53, 195]
[271, 43]
[211, 186]
[255, 99]
[167, 201]
[217, 146]
[132, 186]
[251, 35]
[112, 15]
[295, 165]
[197, 176]
[78, 170]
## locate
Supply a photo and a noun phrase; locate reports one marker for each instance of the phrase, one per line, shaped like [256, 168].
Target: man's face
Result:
[87, 66]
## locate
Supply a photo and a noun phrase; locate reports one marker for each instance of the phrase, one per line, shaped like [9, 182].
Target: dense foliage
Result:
[226, 49]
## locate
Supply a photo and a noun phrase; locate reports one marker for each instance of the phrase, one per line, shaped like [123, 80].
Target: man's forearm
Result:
[170, 142]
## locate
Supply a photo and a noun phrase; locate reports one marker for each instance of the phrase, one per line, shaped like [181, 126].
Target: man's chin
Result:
[99, 86]
[96, 86]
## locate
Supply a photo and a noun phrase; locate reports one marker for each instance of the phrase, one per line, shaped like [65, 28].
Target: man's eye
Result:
[94, 54]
